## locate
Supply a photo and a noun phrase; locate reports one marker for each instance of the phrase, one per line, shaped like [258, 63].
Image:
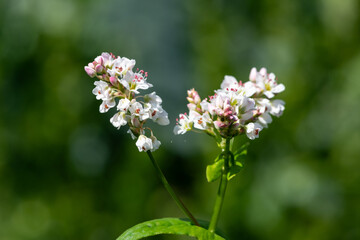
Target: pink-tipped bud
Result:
[191, 106]
[220, 125]
[99, 60]
[135, 122]
[193, 96]
[99, 68]
[113, 81]
[253, 74]
[263, 71]
[90, 71]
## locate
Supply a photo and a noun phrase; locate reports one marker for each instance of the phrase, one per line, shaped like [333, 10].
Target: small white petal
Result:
[228, 82]
[278, 88]
[269, 94]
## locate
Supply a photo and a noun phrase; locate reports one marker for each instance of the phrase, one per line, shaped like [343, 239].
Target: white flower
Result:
[144, 143]
[277, 107]
[252, 130]
[245, 107]
[155, 143]
[249, 89]
[265, 83]
[203, 121]
[160, 117]
[218, 104]
[134, 81]
[127, 64]
[265, 119]
[271, 87]
[107, 59]
[106, 105]
[121, 66]
[136, 109]
[101, 91]
[204, 105]
[233, 88]
[147, 144]
[230, 84]
[123, 104]
[184, 123]
[264, 108]
[119, 119]
[153, 99]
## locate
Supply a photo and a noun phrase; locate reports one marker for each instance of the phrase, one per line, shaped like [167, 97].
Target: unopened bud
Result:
[90, 71]
[99, 68]
[253, 74]
[263, 71]
[135, 122]
[113, 81]
[191, 106]
[193, 96]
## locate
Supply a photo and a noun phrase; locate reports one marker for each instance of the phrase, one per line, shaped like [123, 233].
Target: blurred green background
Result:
[67, 173]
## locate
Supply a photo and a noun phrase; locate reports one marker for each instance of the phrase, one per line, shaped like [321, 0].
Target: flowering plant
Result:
[235, 109]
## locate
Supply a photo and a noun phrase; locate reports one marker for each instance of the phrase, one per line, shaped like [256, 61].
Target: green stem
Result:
[222, 189]
[167, 186]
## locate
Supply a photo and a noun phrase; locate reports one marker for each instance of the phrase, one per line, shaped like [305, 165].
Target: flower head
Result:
[119, 85]
[236, 108]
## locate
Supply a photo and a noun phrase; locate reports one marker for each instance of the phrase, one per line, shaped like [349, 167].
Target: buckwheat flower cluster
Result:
[236, 108]
[118, 86]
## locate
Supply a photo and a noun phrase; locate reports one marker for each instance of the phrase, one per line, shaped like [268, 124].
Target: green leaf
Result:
[213, 171]
[241, 152]
[234, 169]
[168, 226]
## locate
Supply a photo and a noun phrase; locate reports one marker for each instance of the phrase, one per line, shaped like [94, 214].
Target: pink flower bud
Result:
[135, 122]
[99, 60]
[91, 65]
[193, 96]
[90, 71]
[99, 68]
[191, 106]
[220, 125]
[113, 81]
[253, 74]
